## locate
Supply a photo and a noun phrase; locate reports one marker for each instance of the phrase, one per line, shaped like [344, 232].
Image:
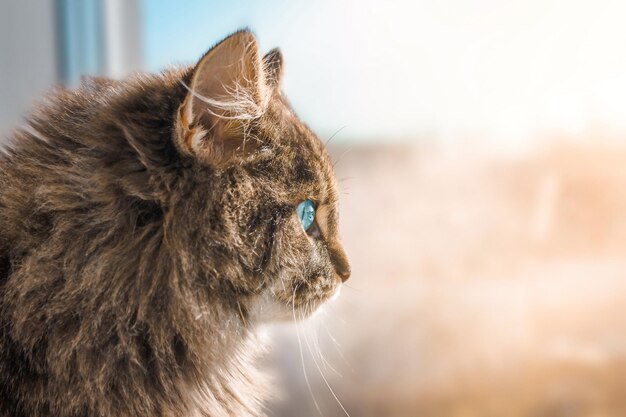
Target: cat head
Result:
[252, 166]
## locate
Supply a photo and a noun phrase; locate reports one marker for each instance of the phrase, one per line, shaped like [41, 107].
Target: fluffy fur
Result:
[146, 230]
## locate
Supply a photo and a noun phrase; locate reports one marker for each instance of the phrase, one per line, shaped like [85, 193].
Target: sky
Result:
[499, 71]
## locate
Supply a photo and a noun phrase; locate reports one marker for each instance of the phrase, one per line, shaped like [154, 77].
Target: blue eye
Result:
[306, 213]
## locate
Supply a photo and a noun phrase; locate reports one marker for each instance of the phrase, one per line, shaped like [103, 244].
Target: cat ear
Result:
[227, 91]
[273, 67]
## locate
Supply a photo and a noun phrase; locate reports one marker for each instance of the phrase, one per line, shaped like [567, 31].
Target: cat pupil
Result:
[306, 212]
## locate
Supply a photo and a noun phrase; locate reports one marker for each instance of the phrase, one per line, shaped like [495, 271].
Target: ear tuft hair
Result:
[227, 91]
[273, 67]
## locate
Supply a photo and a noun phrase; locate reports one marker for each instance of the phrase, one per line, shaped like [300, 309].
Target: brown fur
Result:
[144, 234]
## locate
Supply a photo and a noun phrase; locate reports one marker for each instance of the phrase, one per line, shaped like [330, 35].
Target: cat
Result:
[148, 226]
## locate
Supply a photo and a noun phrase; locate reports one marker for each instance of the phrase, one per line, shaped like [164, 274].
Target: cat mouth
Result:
[336, 293]
[310, 304]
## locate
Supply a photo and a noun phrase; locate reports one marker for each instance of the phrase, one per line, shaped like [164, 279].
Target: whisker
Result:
[352, 288]
[310, 309]
[306, 377]
[316, 344]
[341, 157]
[325, 362]
[306, 340]
[338, 348]
[334, 134]
[338, 316]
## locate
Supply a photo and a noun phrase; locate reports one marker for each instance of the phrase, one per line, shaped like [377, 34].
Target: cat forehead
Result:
[289, 131]
[301, 154]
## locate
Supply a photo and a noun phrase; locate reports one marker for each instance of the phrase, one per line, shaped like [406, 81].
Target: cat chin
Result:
[266, 308]
[336, 293]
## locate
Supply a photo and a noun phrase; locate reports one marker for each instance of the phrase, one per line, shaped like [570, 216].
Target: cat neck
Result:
[225, 382]
[234, 388]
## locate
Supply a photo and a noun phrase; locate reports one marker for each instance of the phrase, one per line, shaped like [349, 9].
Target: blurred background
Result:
[481, 152]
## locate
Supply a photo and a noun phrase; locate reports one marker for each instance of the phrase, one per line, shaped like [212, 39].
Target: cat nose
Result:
[344, 273]
[340, 262]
